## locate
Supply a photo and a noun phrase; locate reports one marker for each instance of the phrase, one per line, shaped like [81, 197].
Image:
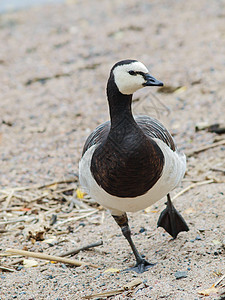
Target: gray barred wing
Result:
[154, 129]
[97, 136]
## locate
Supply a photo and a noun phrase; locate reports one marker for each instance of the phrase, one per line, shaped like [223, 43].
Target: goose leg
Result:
[141, 264]
[171, 220]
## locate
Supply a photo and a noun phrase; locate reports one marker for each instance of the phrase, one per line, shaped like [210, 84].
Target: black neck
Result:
[119, 104]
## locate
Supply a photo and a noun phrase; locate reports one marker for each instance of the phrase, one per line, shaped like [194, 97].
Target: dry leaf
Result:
[209, 291]
[29, 263]
[36, 235]
[167, 89]
[217, 242]
[52, 186]
[112, 270]
[189, 210]
[50, 240]
[38, 230]
[80, 194]
[149, 209]
[180, 90]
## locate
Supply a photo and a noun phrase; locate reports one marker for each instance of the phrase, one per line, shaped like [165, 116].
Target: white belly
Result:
[172, 174]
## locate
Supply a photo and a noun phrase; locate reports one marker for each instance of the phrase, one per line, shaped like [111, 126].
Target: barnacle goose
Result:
[130, 162]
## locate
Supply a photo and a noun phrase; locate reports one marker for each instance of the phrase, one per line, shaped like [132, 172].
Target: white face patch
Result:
[126, 83]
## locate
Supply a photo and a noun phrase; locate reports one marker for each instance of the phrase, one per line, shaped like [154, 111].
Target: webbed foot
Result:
[171, 220]
[142, 266]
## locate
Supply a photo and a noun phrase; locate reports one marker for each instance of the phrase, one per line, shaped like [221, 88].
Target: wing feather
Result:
[97, 136]
[154, 129]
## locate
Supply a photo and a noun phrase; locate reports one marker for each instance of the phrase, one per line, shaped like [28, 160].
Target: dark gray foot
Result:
[171, 220]
[142, 266]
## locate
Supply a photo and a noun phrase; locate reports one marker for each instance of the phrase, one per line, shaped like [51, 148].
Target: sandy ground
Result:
[54, 63]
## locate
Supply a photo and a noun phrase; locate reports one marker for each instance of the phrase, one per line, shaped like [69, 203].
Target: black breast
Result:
[127, 162]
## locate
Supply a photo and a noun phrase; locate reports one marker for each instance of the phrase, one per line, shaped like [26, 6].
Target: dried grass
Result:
[36, 206]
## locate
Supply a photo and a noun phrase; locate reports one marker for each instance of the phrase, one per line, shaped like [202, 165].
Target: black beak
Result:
[151, 81]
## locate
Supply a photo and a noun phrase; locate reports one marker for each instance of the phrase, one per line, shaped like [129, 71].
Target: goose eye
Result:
[132, 73]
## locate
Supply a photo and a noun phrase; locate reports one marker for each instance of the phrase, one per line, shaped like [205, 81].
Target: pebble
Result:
[145, 281]
[142, 230]
[63, 266]
[180, 274]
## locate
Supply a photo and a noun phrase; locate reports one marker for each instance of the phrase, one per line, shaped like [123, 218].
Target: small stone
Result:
[142, 230]
[180, 274]
[63, 266]
[145, 281]
[198, 238]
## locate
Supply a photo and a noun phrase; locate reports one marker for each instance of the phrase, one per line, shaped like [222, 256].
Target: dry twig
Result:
[205, 147]
[75, 251]
[6, 269]
[217, 170]
[8, 199]
[219, 280]
[126, 287]
[18, 220]
[79, 217]
[191, 186]
[44, 256]
[31, 187]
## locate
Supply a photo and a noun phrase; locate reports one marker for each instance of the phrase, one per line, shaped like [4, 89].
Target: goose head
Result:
[131, 75]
